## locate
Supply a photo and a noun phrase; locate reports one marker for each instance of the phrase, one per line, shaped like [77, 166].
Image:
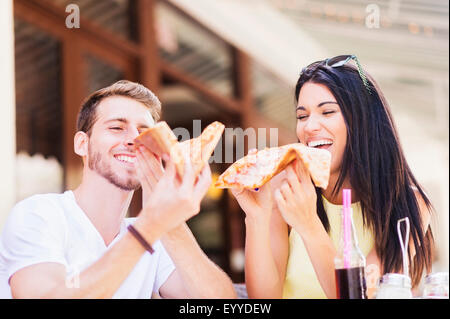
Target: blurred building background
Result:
[235, 61]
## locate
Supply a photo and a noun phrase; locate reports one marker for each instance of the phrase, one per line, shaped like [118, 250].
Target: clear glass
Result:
[100, 73]
[191, 48]
[273, 97]
[436, 286]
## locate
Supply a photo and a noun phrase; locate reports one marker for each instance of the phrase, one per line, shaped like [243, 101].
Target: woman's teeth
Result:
[319, 143]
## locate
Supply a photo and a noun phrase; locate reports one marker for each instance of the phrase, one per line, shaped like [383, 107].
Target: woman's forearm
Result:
[321, 252]
[262, 277]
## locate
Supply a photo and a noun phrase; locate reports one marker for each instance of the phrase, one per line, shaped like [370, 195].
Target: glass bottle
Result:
[398, 286]
[394, 286]
[436, 286]
[349, 261]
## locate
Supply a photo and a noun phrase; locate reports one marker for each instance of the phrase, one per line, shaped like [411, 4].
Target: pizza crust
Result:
[161, 140]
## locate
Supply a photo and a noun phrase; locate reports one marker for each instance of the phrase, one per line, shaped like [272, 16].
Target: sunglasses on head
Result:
[339, 61]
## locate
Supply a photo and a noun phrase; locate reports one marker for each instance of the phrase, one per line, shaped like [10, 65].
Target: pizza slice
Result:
[258, 167]
[161, 140]
[158, 138]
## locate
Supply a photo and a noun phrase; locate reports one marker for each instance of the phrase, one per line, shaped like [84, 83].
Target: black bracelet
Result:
[140, 239]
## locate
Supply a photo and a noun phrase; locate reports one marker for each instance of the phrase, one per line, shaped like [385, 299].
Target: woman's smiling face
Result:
[320, 122]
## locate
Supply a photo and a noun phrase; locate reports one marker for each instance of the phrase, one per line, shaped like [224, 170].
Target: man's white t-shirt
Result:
[53, 228]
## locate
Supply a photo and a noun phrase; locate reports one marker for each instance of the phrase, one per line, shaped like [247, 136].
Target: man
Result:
[80, 245]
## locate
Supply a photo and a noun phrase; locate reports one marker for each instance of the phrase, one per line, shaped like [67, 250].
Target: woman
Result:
[341, 109]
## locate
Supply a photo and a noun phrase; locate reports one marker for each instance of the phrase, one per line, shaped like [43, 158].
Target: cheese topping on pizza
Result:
[258, 167]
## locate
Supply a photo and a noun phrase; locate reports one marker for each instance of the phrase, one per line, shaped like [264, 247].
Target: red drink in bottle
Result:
[349, 262]
[350, 283]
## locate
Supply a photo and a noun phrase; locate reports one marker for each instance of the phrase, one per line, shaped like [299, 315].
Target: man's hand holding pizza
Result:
[169, 200]
[149, 170]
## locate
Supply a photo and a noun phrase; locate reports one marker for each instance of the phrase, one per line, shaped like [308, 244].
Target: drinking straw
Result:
[347, 201]
[404, 243]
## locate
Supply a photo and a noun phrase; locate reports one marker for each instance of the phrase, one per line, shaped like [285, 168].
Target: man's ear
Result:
[81, 143]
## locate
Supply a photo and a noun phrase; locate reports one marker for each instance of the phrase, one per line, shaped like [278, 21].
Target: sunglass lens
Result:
[338, 60]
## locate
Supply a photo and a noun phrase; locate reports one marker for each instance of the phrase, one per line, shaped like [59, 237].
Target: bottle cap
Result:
[437, 278]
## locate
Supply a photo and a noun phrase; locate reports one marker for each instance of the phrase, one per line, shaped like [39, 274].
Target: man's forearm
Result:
[103, 278]
[201, 277]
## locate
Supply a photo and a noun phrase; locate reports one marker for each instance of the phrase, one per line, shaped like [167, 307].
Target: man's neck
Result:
[104, 204]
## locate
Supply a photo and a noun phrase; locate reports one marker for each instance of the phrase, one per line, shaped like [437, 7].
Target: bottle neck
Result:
[348, 254]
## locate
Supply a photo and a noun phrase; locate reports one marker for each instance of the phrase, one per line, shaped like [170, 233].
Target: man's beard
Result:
[97, 164]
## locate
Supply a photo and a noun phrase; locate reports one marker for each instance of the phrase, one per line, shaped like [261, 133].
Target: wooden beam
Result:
[243, 92]
[118, 51]
[149, 72]
[242, 84]
[73, 76]
[241, 78]
[51, 19]
[46, 9]
[226, 104]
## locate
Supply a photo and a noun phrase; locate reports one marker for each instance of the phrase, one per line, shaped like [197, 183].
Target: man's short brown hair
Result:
[87, 115]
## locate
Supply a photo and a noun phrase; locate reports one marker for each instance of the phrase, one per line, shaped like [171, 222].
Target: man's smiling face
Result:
[111, 151]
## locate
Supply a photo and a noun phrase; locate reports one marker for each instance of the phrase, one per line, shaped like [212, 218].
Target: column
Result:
[7, 110]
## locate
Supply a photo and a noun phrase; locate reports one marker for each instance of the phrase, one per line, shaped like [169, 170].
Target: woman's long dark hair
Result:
[377, 169]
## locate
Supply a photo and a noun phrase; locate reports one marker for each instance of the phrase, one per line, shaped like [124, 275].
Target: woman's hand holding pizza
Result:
[296, 198]
[257, 205]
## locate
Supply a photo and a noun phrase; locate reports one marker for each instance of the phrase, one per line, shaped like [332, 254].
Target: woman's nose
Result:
[312, 124]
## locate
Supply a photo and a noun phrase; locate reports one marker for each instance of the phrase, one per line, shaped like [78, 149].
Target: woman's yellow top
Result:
[301, 280]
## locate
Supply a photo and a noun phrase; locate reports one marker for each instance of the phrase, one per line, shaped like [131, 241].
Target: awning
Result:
[257, 29]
